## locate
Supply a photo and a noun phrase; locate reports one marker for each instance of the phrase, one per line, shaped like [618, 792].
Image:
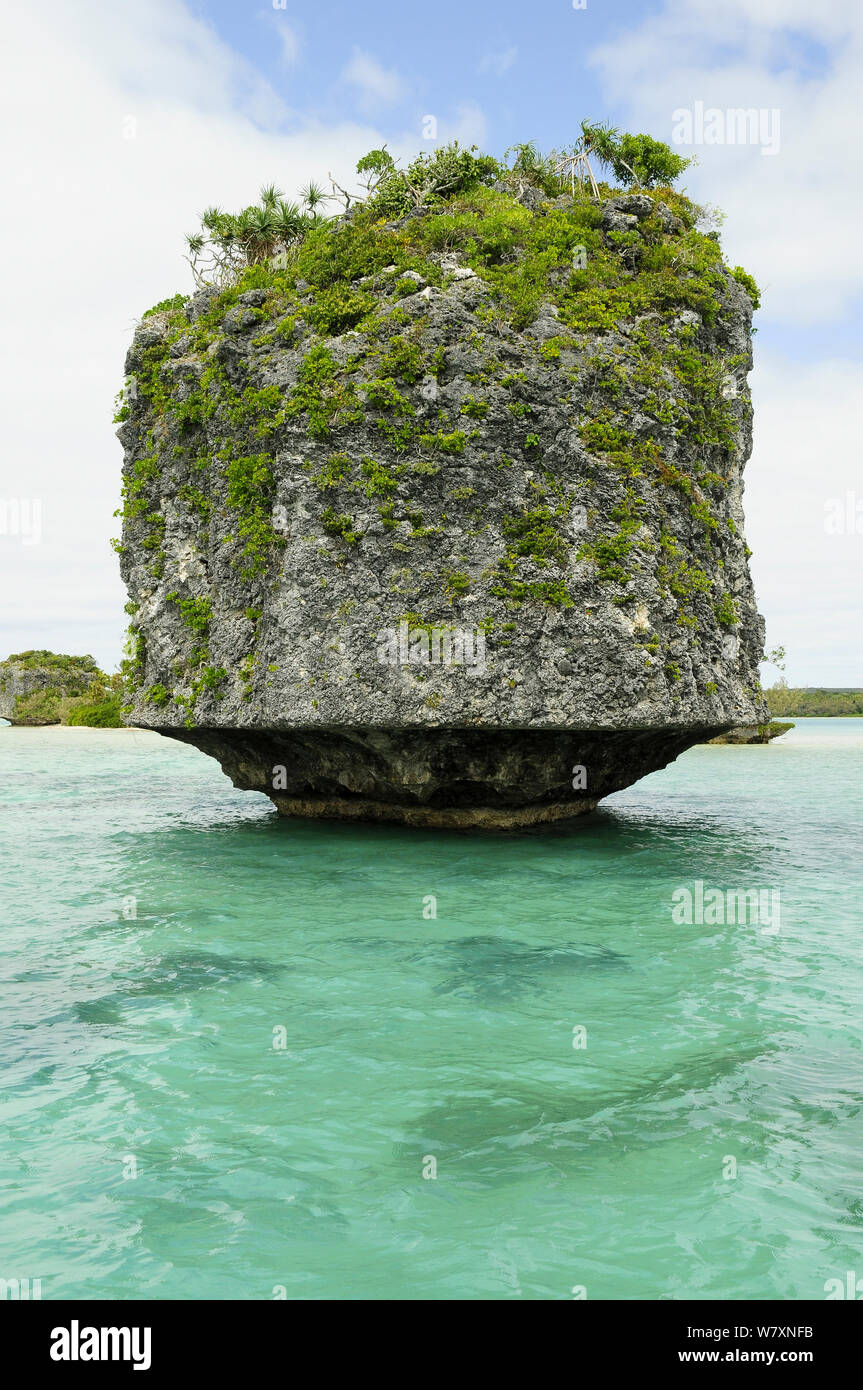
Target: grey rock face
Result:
[15, 681]
[438, 600]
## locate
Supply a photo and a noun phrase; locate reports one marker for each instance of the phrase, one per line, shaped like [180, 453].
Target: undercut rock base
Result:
[460, 779]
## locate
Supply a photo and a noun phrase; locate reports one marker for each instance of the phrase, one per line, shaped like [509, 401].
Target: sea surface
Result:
[243, 1058]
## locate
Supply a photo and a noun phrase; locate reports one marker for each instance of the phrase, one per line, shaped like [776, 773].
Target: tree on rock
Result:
[637, 159]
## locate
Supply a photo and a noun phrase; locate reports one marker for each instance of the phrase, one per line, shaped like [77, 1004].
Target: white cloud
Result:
[376, 85]
[468, 125]
[140, 118]
[792, 219]
[500, 62]
[806, 453]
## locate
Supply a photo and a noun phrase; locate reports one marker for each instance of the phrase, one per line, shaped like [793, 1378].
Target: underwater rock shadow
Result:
[177, 974]
[490, 967]
[480, 1136]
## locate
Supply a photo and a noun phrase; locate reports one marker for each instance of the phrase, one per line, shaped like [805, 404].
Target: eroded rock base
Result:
[432, 818]
[440, 778]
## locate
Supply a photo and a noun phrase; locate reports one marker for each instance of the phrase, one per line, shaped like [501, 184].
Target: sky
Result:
[124, 121]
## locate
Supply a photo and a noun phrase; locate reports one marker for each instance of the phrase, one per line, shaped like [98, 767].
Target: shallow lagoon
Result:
[257, 1018]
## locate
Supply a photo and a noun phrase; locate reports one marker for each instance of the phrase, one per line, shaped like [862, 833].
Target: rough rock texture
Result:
[306, 501]
[16, 683]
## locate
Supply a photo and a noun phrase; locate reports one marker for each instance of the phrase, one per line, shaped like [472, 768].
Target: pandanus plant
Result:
[269, 230]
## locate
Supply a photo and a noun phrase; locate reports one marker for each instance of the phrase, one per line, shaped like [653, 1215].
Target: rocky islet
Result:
[440, 519]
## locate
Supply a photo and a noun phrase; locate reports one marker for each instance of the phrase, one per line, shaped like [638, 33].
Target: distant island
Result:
[41, 687]
[814, 702]
[804, 702]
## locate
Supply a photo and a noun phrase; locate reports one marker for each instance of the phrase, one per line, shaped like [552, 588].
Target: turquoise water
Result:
[146, 1043]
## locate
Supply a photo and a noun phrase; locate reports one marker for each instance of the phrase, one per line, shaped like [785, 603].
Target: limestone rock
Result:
[422, 555]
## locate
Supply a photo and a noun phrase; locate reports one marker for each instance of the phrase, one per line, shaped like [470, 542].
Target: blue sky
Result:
[136, 116]
[524, 65]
